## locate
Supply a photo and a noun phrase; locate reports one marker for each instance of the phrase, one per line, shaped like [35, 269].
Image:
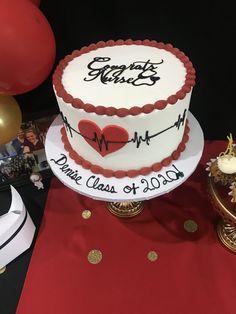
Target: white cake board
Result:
[126, 189]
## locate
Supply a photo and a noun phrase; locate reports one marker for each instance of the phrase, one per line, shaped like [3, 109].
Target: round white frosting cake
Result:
[124, 105]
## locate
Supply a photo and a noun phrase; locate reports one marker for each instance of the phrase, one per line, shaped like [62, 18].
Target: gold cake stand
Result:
[226, 227]
[125, 209]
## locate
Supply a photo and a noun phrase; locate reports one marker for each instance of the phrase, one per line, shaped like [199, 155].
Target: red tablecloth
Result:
[193, 274]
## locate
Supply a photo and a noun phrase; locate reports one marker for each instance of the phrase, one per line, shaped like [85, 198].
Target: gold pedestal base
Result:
[125, 209]
[226, 228]
[227, 235]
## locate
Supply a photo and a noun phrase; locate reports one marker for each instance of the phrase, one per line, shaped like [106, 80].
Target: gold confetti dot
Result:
[86, 214]
[152, 256]
[190, 225]
[2, 270]
[94, 256]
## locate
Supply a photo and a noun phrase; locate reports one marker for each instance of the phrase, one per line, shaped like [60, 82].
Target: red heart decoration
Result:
[106, 141]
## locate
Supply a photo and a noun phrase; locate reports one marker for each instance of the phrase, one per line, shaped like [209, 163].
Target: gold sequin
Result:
[152, 256]
[86, 214]
[2, 270]
[190, 225]
[94, 256]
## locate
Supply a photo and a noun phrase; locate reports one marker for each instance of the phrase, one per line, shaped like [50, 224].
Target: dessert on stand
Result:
[222, 190]
[125, 134]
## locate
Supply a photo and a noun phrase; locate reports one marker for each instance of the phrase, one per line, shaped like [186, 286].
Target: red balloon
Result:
[27, 47]
[37, 2]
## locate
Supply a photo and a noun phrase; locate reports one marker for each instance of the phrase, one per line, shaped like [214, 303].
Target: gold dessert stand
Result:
[125, 209]
[226, 227]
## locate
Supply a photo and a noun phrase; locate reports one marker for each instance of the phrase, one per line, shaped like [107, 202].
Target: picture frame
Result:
[25, 154]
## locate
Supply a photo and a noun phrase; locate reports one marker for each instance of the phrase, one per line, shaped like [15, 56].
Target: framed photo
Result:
[25, 154]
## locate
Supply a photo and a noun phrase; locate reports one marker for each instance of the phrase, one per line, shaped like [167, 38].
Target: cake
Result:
[124, 106]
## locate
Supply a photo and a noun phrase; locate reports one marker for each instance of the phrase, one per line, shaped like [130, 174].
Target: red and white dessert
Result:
[124, 105]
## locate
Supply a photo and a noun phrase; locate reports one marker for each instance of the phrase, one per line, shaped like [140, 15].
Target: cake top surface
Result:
[123, 75]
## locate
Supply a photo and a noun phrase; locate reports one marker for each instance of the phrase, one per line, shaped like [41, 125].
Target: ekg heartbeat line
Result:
[137, 139]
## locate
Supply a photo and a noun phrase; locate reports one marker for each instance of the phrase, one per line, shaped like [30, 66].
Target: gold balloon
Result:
[10, 118]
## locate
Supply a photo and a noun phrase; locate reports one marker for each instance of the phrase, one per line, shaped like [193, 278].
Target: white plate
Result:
[126, 189]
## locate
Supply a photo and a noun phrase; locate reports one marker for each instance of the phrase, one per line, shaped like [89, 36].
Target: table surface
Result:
[14, 286]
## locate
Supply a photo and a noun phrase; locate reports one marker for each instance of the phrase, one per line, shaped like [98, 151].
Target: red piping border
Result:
[122, 112]
[121, 173]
